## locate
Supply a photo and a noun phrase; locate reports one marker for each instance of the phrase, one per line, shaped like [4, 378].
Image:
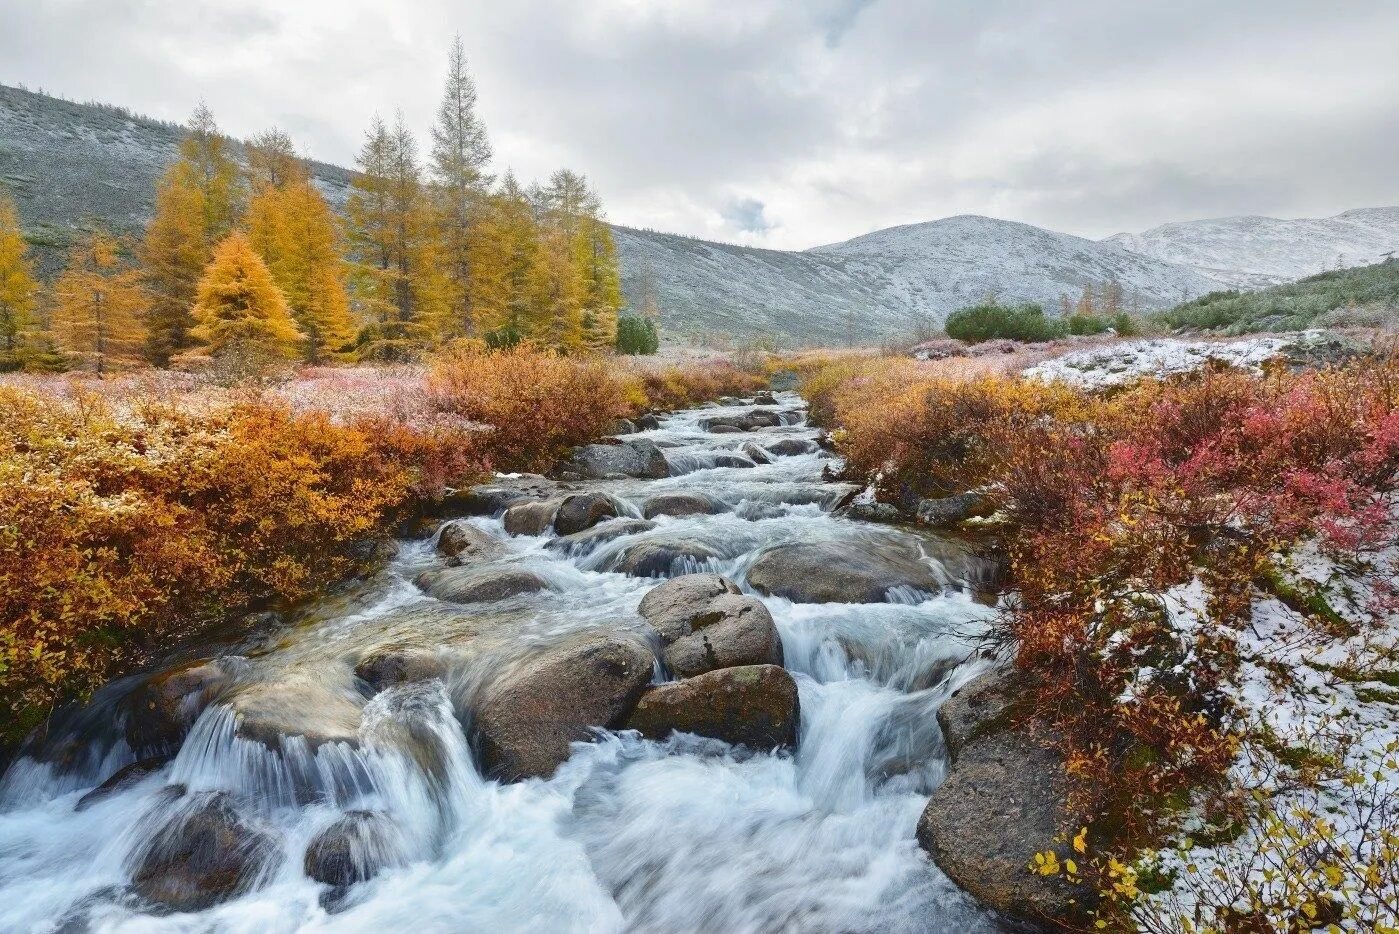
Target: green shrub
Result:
[637, 336]
[993, 321]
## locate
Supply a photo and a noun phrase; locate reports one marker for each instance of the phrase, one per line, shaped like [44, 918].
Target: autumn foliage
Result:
[1111, 500]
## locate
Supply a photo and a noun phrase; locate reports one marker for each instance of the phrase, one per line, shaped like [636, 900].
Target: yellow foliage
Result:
[97, 308]
[240, 308]
[17, 285]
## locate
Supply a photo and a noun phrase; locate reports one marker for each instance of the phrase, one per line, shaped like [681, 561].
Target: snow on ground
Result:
[1318, 768]
[1123, 362]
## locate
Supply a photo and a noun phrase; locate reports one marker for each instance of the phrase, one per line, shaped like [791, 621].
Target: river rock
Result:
[789, 447]
[300, 705]
[582, 511]
[949, 511]
[840, 572]
[752, 705]
[490, 499]
[205, 855]
[659, 558]
[647, 422]
[765, 398]
[532, 518]
[464, 542]
[624, 426]
[385, 668]
[635, 458]
[756, 454]
[160, 711]
[705, 623]
[1003, 801]
[731, 460]
[122, 779]
[681, 504]
[526, 719]
[480, 584]
[724, 428]
[350, 850]
[583, 542]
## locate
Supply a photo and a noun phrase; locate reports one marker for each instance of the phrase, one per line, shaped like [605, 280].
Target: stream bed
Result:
[684, 834]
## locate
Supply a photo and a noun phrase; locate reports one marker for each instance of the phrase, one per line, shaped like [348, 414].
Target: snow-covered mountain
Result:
[883, 285]
[1251, 252]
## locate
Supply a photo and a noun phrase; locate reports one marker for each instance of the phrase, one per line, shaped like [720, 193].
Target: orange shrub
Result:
[536, 403]
[121, 530]
[676, 387]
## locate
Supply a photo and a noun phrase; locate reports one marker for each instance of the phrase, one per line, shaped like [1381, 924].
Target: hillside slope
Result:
[1250, 252]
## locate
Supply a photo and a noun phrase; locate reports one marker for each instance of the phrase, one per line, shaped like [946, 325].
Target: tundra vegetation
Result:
[1187, 559]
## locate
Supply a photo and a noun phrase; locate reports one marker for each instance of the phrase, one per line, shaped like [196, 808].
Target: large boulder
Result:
[490, 499]
[681, 504]
[754, 706]
[652, 558]
[636, 458]
[724, 428]
[841, 572]
[526, 719]
[162, 708]
[949, 511]
[480, 584]
[583, 542]
[463, 542]
[582, 511]
[790, 447]
[350, 850]
[531, 518]
[297, 705]
[647, 422]
[705, 623]
[205, 855]
[1003, 801]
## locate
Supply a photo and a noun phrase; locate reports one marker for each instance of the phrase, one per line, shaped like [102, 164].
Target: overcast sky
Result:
[789, 123]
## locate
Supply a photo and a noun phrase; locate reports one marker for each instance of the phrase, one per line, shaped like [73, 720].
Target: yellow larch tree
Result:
[239, 310]
[18, 288]
[198, 201]
[98, 308]
[297, 235]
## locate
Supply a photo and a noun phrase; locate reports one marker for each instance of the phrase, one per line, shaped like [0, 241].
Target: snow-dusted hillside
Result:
[1252, 252]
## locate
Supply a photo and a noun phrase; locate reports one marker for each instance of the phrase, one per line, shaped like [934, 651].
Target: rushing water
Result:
[629, 835]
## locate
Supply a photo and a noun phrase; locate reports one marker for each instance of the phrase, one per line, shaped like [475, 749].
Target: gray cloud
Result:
[836, 116]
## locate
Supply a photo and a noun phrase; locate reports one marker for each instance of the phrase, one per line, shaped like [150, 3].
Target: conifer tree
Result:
[555, 317]
[198, 201]
[505, 266]
[240, 311]
[17, 286]
[575, 209]
[297, 235]
[97, 308]
[460, 154]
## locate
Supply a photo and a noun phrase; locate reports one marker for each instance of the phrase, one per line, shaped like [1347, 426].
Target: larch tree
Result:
[460, 153]
[506, 267]
[240, 312]
[298, 236]
[198, 201]
[18, 287]
[571, 206]
[98, 305]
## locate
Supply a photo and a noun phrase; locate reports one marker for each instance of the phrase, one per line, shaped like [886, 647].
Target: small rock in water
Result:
[533, 518]
[765, 398]
[160, 711]
[527, 718]
[722, 428]
[206, 854]
[753, 705]
[388, 667]
[648, 422]
[756, 454]
[121, 780]
[583, 542]
[681, 504]
[582, 511]
[789, 447]
[463, 541]
[705, 623]
[352, 849]
[480, 584]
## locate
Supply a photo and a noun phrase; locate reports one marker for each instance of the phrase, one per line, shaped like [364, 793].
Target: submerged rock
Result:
[753, 705]
[302, 706]
[582, 511]
[387, 667]
[681, 504]
[636, 458]
[1003, 801]
[526, 719]
[161, 710]
[705, 623]
[352, 849]
[840, 572]
[480, 584]
[121, 780]
[661, 558]
[206, 854]
[583, 542]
